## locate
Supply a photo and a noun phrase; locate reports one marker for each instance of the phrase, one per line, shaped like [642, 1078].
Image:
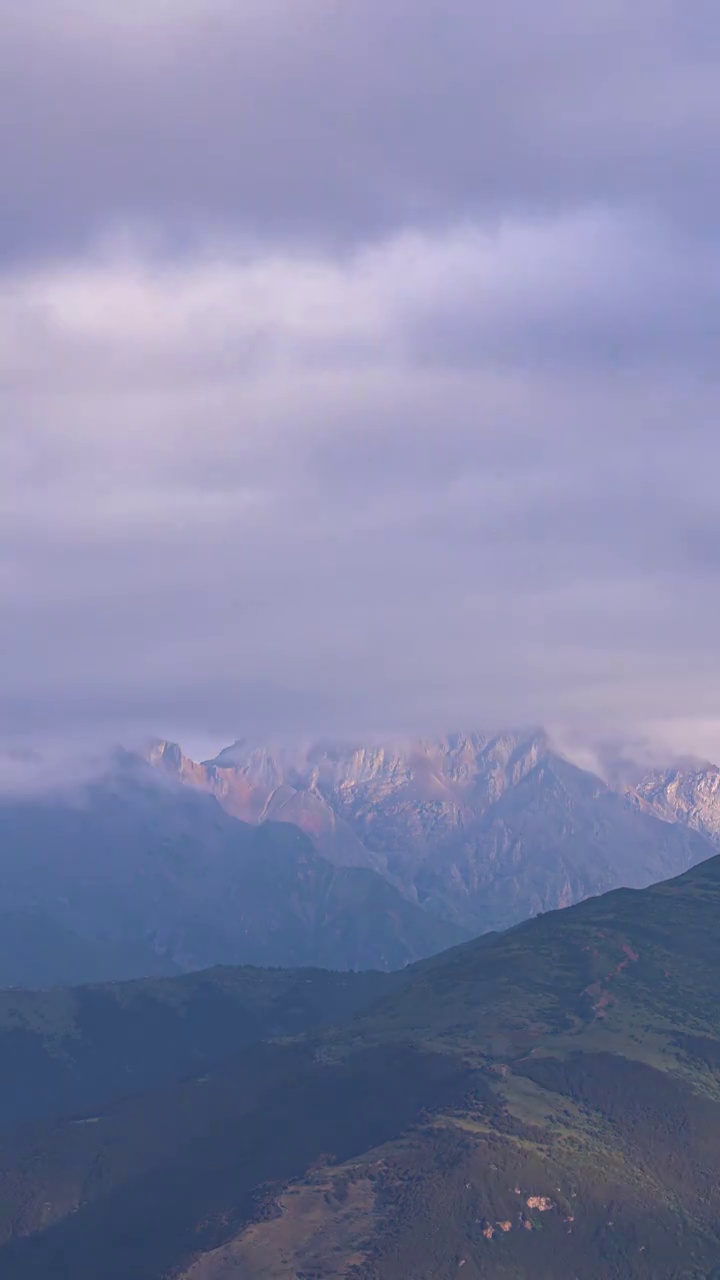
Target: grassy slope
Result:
[537, 1104]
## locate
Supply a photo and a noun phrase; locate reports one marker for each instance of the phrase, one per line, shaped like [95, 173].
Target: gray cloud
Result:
[309, 117]
[357, 366]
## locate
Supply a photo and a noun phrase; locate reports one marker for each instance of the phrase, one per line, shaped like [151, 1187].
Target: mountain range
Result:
[539, 1103]
[346, 857]
[132, 875]
[480, 830]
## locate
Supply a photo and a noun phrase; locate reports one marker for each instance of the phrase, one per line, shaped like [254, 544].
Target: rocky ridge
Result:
[483, 830]
[688, 794]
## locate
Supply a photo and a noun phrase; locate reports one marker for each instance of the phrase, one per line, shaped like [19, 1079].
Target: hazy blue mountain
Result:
[36, 950]
[136, 875]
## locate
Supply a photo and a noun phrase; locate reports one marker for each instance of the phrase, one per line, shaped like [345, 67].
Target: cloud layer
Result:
[358, 367]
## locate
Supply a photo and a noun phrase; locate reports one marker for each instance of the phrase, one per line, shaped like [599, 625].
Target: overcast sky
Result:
[359, 367]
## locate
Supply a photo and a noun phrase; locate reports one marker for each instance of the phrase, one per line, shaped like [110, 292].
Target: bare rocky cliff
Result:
[483, 830]
[689, 794]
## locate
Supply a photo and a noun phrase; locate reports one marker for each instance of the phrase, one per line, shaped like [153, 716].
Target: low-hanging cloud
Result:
[353, 382]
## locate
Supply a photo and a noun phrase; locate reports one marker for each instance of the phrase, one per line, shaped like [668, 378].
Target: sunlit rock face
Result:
[483, 830]
[689, 794]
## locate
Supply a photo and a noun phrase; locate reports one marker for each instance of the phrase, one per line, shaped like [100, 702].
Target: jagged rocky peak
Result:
[481, 829]
[171, 759]
[457, 758]
[166, 754]
[269, 764]
[442, 767]
[451, 773]
[688, 793]
[509, 757]
[235, 756]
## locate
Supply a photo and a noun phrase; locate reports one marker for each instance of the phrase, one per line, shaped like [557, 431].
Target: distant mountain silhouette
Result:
[134, 875]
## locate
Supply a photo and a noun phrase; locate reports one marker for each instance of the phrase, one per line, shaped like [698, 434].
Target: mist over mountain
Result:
[543, 1096]
[485, 830]
[360, 856]
[359, 373]
[132, 874]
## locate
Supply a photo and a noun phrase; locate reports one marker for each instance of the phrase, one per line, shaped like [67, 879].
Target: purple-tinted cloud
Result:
[357, 366]
[311, 118]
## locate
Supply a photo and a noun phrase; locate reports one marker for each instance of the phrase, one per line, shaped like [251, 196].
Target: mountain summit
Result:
[482, 830]
[346, 856]
[688, 793]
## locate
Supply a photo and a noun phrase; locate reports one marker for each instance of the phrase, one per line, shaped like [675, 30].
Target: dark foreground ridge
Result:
[535, 1104]
[64, 1051]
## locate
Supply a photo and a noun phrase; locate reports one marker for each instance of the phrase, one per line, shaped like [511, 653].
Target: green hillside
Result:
[538, 1105]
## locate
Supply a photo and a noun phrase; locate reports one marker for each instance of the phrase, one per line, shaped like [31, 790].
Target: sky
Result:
[359, 368]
